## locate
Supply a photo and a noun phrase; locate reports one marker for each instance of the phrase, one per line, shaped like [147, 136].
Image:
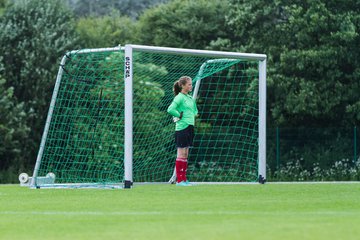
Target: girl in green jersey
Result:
[183, 109]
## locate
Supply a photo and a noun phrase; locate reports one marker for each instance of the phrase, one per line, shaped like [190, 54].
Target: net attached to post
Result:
[83, 142]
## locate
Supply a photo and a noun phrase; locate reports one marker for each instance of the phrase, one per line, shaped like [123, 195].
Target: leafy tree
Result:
[35, 33]
[96, 8]
[313, 68]
[106, 31]
[322, 70]
[13, 131]
[188, 24]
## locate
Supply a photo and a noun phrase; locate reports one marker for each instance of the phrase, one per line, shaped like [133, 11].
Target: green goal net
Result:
[107, 121]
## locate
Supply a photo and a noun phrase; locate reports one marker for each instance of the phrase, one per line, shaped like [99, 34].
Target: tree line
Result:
[313, 74]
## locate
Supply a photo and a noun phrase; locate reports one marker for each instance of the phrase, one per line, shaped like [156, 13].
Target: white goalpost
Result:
[107, 125]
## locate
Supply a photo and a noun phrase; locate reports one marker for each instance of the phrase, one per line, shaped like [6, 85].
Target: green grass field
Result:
[249, 211]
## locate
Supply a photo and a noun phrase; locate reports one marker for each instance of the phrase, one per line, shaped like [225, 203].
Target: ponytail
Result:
[176, 88]
[179, 83]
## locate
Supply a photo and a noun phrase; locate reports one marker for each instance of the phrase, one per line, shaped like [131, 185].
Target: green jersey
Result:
[186, 104]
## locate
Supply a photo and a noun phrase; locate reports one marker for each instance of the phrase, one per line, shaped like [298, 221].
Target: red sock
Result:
[178, 171]
[181, 169]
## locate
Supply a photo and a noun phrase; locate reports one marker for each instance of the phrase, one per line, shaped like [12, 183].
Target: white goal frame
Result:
[128, 78]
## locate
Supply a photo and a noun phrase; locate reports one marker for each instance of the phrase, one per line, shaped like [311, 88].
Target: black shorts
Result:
[184, 138]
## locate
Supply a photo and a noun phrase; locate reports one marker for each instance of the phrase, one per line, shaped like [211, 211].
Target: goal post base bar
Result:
[79, 186]
[127, 186]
